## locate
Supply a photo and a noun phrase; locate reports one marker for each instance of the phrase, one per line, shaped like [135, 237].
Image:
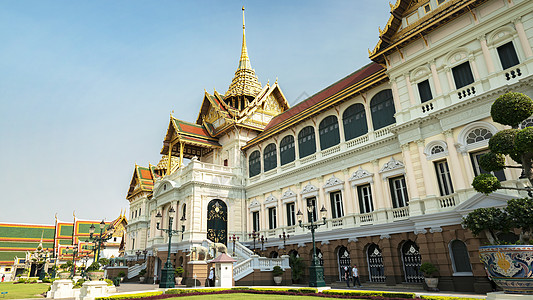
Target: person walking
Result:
[355, 275]
[347, 275]
[3, 277]
[211, 277]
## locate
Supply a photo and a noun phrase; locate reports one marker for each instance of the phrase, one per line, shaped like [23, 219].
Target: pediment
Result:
[271, 199]
[480, 200]
[254, 203]
[288, 194]
[269, 102]
[360, 174]
[392, 164]
[309, 188]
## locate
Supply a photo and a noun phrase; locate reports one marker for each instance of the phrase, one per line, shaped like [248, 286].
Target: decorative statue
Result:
[198, 253]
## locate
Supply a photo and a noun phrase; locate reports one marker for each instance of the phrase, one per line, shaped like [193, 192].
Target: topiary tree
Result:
[509, 109]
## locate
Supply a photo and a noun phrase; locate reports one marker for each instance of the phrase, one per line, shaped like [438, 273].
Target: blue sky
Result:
[86, 87]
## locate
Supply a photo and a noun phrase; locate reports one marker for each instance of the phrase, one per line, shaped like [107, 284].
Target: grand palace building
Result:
[389, 151]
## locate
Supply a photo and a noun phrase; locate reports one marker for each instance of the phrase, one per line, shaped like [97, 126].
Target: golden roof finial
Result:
[245, 82]
[276, 80]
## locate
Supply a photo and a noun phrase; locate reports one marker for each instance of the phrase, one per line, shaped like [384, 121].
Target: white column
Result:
[474, 67]
[451, 83]
[486, 54]
[426, 172]
[378, 195]
[317, 138]
[436, 80]
[395, 95]
[467, 166]
[342, 139]
[523, 37]
[410, 173]
[455, 169]
[282, 215]
[410, 89]
[325, 198]
[368, 116]
[347, 200]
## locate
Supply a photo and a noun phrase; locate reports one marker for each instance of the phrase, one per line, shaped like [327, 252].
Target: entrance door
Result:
[343, 257]
[411, 262]
[375, 264]
[217, 221]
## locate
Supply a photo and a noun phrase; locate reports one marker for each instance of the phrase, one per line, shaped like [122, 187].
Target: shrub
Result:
[142, 272]
[109, 282]
[79, 283]
[95, 266]
[511, 109]
[428, 297]
[428, 269]
[486, 183]
[131, 296]
[370, 294]
[491, 161]
[121, 274]
[179, 271]
[297, 267]
[277, 271]
[503, 141]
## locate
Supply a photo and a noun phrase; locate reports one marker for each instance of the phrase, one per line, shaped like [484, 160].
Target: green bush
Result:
[179, 271]
[79, 283]
[95, 266]
[130, 296]
[370, 293]
[524, 140]
[297, 265]
[142, 272]
[503, 141]
[427, 297]
[428, 269]
[277, 271]
[492, 162]
[186, 291]
[109, 282]
[121, 274]
[486, 183]
[22, 280]
[511, 109]
[241, 288]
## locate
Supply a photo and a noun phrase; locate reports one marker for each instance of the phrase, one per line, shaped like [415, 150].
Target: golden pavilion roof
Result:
[245, 82]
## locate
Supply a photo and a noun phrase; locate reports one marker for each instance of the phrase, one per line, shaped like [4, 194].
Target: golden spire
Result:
[245, 82]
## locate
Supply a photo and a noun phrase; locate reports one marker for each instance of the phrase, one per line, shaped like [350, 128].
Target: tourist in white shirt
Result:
[355, 275]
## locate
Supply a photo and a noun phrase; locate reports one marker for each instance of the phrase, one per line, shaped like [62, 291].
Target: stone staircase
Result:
[134, 270]
[247, 262]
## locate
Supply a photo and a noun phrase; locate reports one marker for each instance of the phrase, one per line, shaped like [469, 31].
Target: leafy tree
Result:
[297, 265]
[509, 109]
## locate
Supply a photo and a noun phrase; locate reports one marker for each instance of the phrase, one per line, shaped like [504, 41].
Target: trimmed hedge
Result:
[427, 297]
[130, 296]
[371, 293]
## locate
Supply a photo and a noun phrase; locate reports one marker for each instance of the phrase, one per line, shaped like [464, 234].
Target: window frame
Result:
[514, 52]
[256, 225]
[314, 213]
[328, 132]
[270, 157]
[291, 213]
[353, 115]
[337, 205]
[287, 150]
[393, 191]
[444, 178]
[422, 83]
[453, 260]
[380, 121]
[362, 199]
[256, 163]
[272, 218]
[306, 147]
[457, 78]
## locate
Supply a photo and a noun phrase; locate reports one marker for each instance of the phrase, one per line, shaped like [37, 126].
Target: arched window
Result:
[411, 262]
[286, 150]
[478, 135]
[354, 121]
[527, 123]
[254, 164]
[306, 141]
[273, 254]
[343, 259]
[184, 210]
[382, 109]
[329, 132]
[459, 256]
[270, 159]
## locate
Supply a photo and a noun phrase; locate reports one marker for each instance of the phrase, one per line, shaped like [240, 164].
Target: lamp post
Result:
[138, 254]
[234, 239]
[85, 259]
[144, 252]
[255, 236]
[263, 240]
[284, 237]
[100, 239]
[74, 253]
[167, 272]
[316, 271]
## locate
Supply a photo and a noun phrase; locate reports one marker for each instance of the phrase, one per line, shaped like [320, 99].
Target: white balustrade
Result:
[331, 150]
[357, 141]
[447, 201]
[308, 159]
[399, 213]
[366, 218]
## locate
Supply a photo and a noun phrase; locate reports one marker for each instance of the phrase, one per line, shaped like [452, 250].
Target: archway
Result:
[217, 221]
[411, 261]
[343, 259]
[376, 269]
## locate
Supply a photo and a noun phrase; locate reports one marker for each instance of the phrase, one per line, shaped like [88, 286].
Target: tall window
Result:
[382, 109]
[270, 159]
[479, 170]
[459, 255]
[462, 75]
[425, 91]
[286, 150]
[507, 55]
[444, 178]
[364, 194]
[329, 132]
[311, 215]
[184, 210]
[291, 216]
[398, 190]
[254, 164]
[272, 218]
[354, 121]
[306, 141]
[255, 221]
[336, 205]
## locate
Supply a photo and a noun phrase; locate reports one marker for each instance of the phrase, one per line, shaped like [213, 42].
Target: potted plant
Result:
[297, 268]
[141, 275]
[121, 274]
[94, 272]
[507, 264]
[277, 272]
[178, 273]
[64, 270]
[429, 270]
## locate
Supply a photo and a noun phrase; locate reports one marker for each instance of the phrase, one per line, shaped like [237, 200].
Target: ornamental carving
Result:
[309, 188]
[333, 181]
[392, 165]
[360, 173]
[271, 199]
[288, 194]
[254, 203]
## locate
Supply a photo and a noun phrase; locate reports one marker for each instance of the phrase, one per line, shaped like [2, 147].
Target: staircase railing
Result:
[135, 270]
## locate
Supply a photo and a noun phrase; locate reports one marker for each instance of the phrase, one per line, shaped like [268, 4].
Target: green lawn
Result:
[244, 295]
[21, 290]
